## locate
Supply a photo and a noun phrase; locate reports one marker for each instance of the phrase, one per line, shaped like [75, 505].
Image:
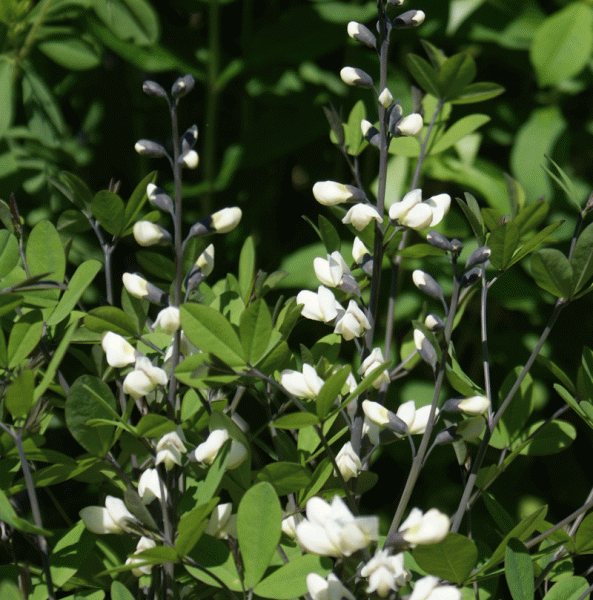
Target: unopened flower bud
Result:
[470, 277]
[331, 193]
[149, 486]
[205, 261]
[395, 2]
[152, 88]
[425, 348]
[168, 319]
[438, 240]
[190, 159]
[169, 450]
[385, 98]
[360, 215]
[147, 233]
[226, 219]
[348, 462]
[118, 351]
[182, 86]
[410, 125]
[434, 322]
[424, 282]
[362, 34]
[446, 436]
[478, 256]
[370, 133]
[456, 246]
[189, 138]
[150, 148]
[356, 77]
[411, 18]
[140, 288]
[159, 198]
[359, 251]
[474, 405]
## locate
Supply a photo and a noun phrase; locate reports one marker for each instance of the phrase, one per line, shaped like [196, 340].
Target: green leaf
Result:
[296, 420]
[355, 142]
[582, 259]
[136, 201]
[9, 516]
[552, 272]
[211, 332]
[458, 130]
[191, 526]
[247, 269]
[329, 235]
[478, 92]
[215, 556]
[259, 518]
[24, 336]
[554, 437]
[255, 330]
[75, 52]
[90, 398]
[503, 242]
[45, 253]
[133, 20]
[562, 45]
[568, 588]
[109, 318]
[289, 581]
[154, 426]
[584, 536]
[330, 390]
[501, 517]
[79, 282]
[452, 559]
[424, 74]
[9, 252]
[287, 478]
[472, 213]
[20, 395]
[518, 570]
[7, 70]
[539, 238]
[120, 592]
[156, 264]
[203, 371]
[9, 591]
[108, 208]
[456, 73]
[74, 189]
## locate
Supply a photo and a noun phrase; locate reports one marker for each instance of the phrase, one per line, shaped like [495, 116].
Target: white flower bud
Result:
[385, 573]
[143, 569]
[474, 405]
[438, 240]
[428, 528]
[118, 351]
[222, 523]
[159, 198]
[356, 77]
[478, 256]
[370, 363]
[411, 18]
[152, 88]
[113, 518]
[386, 98]
[428, 588]
[427, 284]
[140, 288]
[226, 219]
[182, 86]
[361, 33]
[351, 323]
[304, 385]
[205, 261]
[144, 379]
[169, 450]
[425, 349]
[327, 589]
[190, 159]
[149, 148]
[331, 193]
[434, 322]
[207, 451]
[359, 251]
[376, 413]
[147, 233]
[411, 125]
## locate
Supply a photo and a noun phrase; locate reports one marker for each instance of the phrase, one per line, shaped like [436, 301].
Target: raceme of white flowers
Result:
[332, 530]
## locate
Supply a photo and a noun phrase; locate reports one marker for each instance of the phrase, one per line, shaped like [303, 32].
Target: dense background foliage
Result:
[70, 91]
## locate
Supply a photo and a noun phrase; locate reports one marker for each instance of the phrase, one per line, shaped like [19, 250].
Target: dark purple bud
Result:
[183, 86]
[152, 88]
[478, 256]
[150, 148]
[411, 18]
[438, 240]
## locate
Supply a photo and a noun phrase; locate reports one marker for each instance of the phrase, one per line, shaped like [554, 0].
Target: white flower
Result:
[385, 572]
[330, 271]
[143, 569]
[149, 486]
[376, 413]
[428, 528]
[411, 125]
[428, 588]
[168, 319]
[113, 518]
[289, 525]
[222, 523]
[147, 233]
[226, 219]
[320, 306]
[416, 420]
[360, 215]
[332, 530]
[327, 589]
[351, 323]
[370, 363]
[348, 462]
[331, 193]
[169, 450]
[144, 379]
[304, 385]
[207, 451]
[413, 213]
[118, 351]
